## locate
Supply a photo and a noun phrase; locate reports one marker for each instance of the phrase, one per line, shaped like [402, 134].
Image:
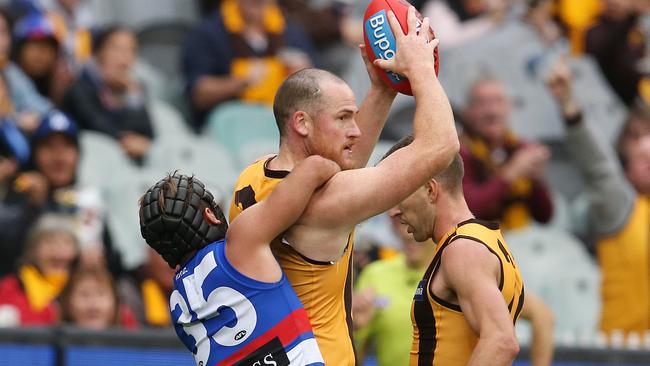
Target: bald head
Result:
[301, 91]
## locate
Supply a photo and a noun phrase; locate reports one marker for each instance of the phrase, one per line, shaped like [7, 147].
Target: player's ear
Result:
[210, 217]
[432, 190]
[300, 122]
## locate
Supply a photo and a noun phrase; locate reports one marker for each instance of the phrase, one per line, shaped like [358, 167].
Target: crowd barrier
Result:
[63, 346]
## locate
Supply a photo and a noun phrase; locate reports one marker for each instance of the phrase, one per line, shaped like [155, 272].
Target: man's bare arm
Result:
[472, 273]
[264, 221]
[355, 195]
[372, 112]
[251, 233]
[210, 90]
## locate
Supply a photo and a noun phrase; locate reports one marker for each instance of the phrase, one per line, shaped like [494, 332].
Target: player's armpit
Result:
[472, 272]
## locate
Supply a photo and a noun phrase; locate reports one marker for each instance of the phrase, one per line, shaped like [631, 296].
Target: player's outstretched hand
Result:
[414, 54]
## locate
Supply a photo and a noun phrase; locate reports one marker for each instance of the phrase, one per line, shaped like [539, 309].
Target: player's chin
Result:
[419, 236]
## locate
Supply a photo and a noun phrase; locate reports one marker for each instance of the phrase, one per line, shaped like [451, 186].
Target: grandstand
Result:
[161, 117]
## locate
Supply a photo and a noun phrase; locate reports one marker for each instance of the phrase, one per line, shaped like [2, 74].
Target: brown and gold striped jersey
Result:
[441, 334]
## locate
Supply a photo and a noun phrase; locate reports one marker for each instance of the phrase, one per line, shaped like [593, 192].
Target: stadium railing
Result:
[65, 346]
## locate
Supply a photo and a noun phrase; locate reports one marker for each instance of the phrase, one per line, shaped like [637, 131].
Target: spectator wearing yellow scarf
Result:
[243, 51]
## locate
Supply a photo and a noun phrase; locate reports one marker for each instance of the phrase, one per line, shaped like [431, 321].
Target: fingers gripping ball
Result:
[380, 40]
[171, 217]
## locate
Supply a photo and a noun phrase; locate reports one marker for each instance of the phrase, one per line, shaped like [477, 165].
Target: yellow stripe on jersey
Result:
[441, 334]
[324, 288]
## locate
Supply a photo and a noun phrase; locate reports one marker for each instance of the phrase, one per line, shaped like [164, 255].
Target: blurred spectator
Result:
[71, 21]
[322, 24]
[540, 15]
[618, 44]
[18, 94]
[206, 7]
[107, 97]
[576, 16]
[619, 208]
[51, 187]
[14, 217]
[243, 51]
[460, 21]
[148, 291]
[90, 301]
[367, 250]
[37, 52]
[636, 127]
[542, 324]
[503, 175]
[25, 121]
[382, 302]
[50, 252]
[332, 28]
[14, 151]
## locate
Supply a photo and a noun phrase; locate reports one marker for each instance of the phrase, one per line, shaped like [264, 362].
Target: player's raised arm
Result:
[263, 222]
[481, 301]
[373, 112]
[354, 195]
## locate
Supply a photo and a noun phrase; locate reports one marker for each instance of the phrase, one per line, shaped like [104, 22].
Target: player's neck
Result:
[455, 211]
[286, 159]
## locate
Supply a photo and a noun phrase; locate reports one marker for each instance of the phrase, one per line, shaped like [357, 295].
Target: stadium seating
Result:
[515, 55]
[556, 267]
[102, 160]
[123, 221]
[247, 131]
[160, 43]
[168, 123]
[194, 155]
[141, 13]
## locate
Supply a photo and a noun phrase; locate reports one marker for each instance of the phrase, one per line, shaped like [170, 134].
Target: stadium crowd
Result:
[552, 98]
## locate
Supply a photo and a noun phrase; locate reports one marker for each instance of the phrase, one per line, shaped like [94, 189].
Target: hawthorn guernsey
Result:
[226, 318]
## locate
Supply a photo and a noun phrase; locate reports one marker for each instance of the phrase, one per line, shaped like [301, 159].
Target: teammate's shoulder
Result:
[477, 229]
[467, 252]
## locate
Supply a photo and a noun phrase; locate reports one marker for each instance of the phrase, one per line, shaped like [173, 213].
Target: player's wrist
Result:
[381, 90]
[422, 72]
[422, 79]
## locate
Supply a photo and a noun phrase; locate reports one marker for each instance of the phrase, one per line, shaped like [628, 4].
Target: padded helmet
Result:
[171, 217]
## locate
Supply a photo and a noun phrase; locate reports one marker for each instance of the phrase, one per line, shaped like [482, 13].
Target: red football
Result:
[380, 41]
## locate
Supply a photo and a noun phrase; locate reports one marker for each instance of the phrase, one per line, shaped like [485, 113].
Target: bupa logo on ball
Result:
[382, 40]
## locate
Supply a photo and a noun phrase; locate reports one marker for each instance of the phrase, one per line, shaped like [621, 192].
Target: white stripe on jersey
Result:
[305, 353]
